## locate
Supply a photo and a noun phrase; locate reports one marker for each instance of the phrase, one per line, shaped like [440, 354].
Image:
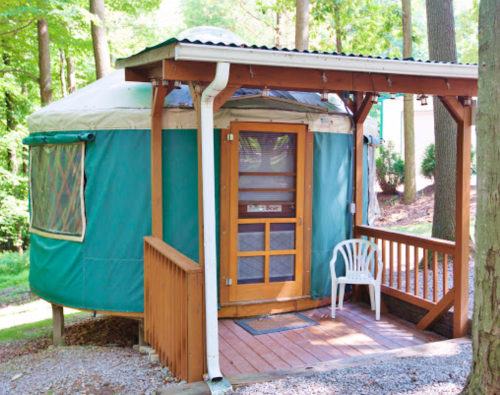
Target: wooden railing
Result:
[417, 269]
[173, 307]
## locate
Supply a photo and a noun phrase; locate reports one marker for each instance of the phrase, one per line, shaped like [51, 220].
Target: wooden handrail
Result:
[432, 249]
[173, 309]
[181, 260]
[429, 243]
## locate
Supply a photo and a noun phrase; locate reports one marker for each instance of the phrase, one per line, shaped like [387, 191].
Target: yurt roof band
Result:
[58, 138]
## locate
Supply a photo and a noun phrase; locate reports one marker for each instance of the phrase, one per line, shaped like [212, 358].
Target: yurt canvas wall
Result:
[105, 271]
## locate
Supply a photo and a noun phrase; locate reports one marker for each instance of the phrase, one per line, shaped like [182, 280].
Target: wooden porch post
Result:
[463, 117]
[461, 264]
[58, 325]
[159, 91]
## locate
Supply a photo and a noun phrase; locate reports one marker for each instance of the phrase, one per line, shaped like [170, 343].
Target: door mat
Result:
[275, 323]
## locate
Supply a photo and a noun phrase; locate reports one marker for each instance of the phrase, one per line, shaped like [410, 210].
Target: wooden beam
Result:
[158, 95]
[363, 108]
[461, 257]
[308, 203]
[454, 107]
[437, 311]
[307, 80]
[144, 74]
[224, 96]
[196, 91]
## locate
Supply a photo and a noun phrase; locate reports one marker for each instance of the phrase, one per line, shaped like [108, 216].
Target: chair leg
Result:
[371, 288]
[334, 297]
[377, 302]
[341, 295]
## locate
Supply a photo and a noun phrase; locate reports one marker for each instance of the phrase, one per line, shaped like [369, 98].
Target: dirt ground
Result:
[99, 331]
[395, 213]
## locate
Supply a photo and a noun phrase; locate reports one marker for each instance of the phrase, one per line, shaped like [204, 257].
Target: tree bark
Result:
[99, 40]
[61, 73]
[338, 31]
[484, 377]
[442, 47]
[44, 62]
[70, 74]
[410, 191]
[302, 25]
[278, 30]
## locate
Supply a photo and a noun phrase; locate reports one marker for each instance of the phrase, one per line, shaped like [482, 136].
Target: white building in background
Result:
[392, 129]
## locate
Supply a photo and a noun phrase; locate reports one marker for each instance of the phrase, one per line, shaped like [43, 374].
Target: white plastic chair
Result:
[357, 255]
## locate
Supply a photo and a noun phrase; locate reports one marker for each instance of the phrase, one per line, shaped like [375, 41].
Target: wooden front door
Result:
[266, 204]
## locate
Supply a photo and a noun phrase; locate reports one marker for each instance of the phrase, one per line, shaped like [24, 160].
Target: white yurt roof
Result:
[113, 103]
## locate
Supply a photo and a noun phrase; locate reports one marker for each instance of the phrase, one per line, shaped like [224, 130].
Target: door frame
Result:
[228, 161]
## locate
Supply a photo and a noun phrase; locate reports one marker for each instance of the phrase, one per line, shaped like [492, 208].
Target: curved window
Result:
[57, 191]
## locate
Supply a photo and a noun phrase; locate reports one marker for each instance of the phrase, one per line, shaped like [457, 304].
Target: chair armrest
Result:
[332, 266]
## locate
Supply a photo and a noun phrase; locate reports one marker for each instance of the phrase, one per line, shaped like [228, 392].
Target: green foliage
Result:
[427, 168]
[390, 168]
[466, 26]
[428, 165]
[14, 272]
[368, 27]
[12, 263]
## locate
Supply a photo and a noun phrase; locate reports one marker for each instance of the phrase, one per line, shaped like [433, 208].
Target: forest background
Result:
[368, 27]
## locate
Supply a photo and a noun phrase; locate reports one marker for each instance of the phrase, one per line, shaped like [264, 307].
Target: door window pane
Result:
[266, 181]
[281, 268]
[250, 269]
[264, 196]
[282, 237]
[251, 237]
[267, 152]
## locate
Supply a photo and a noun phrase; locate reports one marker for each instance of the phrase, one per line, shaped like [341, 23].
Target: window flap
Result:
[57, 138]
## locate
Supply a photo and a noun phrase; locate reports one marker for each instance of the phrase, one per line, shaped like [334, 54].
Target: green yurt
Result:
[90, 188]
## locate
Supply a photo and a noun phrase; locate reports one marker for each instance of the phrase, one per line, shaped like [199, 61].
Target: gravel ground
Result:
[437, 374]
[83, 370]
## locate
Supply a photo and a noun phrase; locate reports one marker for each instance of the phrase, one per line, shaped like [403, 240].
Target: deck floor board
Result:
[353, 332]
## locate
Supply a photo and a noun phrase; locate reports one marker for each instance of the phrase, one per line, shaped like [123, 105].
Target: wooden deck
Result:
[353, 332]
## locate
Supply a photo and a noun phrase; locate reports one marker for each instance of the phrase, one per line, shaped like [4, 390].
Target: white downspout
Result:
[208, 177]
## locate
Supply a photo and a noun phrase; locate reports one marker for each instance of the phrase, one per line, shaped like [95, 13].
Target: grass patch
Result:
[425, 229]
[14, 283]
[422, 229]
[14, 269]
[35, 330]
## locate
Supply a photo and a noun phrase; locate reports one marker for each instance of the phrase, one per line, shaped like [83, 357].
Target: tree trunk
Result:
[338, 31]
[61, 73]
[302, 25]
[278, 30]
[410, 191]
[484, 377]
[70, 74]
[442, 47]
[99, 40]
[44, 62]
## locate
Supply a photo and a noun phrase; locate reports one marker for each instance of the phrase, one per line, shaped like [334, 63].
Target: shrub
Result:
[428, 166]
[390, 168]
[12, 263]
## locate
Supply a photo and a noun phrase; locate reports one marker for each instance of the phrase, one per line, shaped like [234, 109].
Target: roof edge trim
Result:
[210, 53]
